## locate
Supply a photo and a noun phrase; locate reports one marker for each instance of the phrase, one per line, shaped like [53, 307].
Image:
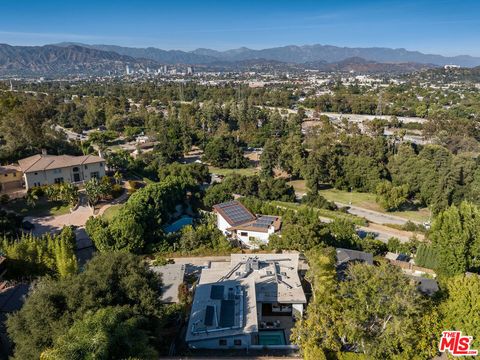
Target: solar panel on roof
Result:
[216, 292]
[209, 312]
[227, 313]
[238, 214]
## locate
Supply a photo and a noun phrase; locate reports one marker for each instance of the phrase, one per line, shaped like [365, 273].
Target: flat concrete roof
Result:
[276, 279]
[172, 276]
[249, 278]
[238, 318]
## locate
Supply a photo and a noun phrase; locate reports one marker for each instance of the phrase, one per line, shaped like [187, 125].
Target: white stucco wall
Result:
[297, 310]
[48, 177]
[214, 343]
[222, 224]
[263, 237]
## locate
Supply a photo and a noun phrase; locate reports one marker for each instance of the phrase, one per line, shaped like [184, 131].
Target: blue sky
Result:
[435, 26]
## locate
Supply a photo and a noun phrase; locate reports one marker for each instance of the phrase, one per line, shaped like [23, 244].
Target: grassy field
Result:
[42, 208]
[363, 200]
[247, 171]
[322, 212]
[367, 201]
[300, 186]
[111, 211]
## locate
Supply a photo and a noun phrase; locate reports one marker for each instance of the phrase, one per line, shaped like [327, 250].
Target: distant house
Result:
[346, 256]
[10, 178]
[424, 278]
[235, 220]
[252, 303]
[45, 169]
[396, 257]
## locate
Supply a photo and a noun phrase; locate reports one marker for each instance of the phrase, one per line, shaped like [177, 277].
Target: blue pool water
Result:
[271, 337]
[179, 224]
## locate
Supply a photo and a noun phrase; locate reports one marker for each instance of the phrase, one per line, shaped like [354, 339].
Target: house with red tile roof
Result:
[46, 169]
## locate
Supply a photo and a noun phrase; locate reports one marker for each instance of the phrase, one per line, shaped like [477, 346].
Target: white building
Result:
[252, 303]
[234, 220]
[45, 169]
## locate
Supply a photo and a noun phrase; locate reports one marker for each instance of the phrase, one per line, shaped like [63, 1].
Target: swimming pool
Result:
[179, 224]
[271, 337]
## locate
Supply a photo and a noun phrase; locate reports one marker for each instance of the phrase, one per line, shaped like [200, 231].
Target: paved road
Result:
[382, 233]
[359, 118]
[375, 216]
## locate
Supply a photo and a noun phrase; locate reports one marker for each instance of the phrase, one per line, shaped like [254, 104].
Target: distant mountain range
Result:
[289, 54]
[60, 60]
[74, 58]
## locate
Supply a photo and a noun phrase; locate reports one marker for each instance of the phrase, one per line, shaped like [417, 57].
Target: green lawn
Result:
[299, 185]
[322, 212]
[247, 171]
[367, 201]
[112, 211]
[42, 208]
[363, 200]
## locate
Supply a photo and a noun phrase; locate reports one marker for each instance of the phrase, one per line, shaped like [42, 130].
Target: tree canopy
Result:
[59, 311]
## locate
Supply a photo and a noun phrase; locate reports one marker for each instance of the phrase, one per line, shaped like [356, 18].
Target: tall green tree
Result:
[456, 239]
[108, 333]
[54, 306]
[374, 310]
[461, 307]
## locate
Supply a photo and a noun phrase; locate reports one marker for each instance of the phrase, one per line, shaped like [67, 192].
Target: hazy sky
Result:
[436, 26]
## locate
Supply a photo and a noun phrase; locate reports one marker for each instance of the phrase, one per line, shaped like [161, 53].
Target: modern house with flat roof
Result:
[254, 302]
[45, 169]
[235, 220]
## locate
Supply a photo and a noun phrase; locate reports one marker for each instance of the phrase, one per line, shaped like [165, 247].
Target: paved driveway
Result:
[48, 224]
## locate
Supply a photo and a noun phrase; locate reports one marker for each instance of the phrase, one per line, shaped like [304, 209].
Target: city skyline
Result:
[438, 27]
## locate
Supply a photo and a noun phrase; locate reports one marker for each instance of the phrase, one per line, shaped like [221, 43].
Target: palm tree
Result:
[92, 189]
[69, 193]
[31, 198]
[118, 177]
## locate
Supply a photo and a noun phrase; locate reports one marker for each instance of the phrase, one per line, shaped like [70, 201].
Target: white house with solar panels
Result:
[251, 302]
[236, 221]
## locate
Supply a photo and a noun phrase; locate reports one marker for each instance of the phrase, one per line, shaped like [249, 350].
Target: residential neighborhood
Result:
[255, 180]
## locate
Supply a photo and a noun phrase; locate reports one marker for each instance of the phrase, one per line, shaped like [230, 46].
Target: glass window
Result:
[94, 175]
[243, 233]
[237, 342]
[222, 342]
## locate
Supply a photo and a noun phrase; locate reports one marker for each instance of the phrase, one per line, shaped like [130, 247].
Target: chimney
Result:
[44, 151]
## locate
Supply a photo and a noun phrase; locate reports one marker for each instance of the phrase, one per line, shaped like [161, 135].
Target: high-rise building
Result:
[190, 70]
[127, 69]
